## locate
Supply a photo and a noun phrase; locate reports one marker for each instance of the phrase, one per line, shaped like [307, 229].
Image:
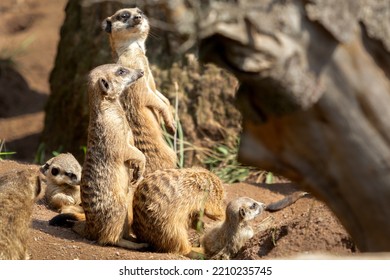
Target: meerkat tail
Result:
[123, 243]
[285, 202]
[66, 220]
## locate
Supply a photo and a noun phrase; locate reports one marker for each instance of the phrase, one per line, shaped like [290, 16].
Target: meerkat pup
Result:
[19, 190]
[166, 201]
[128, 30]
[106, 194]
[63, 174]
[226, 239]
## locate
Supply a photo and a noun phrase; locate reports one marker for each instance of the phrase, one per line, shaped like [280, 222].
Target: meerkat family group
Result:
[129, 191]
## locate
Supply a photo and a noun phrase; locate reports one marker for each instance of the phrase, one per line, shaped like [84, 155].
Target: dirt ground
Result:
[29, 33]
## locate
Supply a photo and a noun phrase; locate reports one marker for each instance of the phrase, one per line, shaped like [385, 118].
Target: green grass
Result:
[40, 155]
[4, 154]
[222, 160]
[176, 142]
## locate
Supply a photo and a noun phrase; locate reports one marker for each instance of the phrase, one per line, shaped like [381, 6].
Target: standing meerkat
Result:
[128, 30]
[226, 239]
[19, 190]
[63, 174]
[106, 192]
[166, 202]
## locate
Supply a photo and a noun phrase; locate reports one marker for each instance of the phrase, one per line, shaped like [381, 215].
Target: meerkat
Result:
[106, 194]
[226, 239]
[63, 174]
[128, 30]
[166, 201]
[7, 165]
[19, 190]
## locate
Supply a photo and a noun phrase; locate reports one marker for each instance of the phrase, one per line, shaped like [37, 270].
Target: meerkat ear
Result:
[38, 188]
[242, 212]
[106, 25]
[44, 168]
[104, 85]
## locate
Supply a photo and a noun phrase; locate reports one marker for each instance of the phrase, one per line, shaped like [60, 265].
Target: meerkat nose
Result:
[262, 205]
[140, 72]
[137, 18]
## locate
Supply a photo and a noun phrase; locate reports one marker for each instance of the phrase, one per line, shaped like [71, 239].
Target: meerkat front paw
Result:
[172, 127]
[137, 175]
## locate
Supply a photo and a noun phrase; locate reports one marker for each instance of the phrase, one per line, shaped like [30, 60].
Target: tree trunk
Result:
[314, 93]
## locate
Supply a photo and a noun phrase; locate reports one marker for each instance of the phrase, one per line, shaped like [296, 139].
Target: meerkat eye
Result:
[55, 171]
[253, 206]
[122, 72]
[124, 15]
[45, 167]
[72, 176]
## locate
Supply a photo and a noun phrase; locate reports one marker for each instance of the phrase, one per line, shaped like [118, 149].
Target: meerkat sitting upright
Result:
[19, 190]
[166, 201]
[128, 29]
[63, 174]
[106, 194]
[226, 239]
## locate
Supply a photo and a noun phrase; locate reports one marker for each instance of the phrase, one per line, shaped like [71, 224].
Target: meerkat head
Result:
[244, 208]
[113, 79]
[127, 26]
[62, 169]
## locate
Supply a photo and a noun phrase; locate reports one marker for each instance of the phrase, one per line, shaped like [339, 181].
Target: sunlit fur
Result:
[144, 108]
[19, 190]
[63, 189]
[166, 201]
[105, 181]
[225, 240]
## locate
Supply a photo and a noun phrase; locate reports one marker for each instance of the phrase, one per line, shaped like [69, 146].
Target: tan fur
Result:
[11, 165]
[226, 239]
[63, 174]
[19, 190]
[166, 201]
[105, 191]
[128, 30]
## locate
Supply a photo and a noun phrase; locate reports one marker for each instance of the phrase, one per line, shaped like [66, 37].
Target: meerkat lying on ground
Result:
[62, 179]
[226, 239]
[166, 201]
[128, 29]
[19, 190]
[63, 174]
[106, 192]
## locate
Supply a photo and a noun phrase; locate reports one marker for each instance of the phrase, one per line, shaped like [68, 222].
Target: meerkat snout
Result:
[137, 19]
[139, 73]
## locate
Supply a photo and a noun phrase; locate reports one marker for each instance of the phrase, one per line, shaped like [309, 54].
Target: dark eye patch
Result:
[72, 176]
[253, 206]
[122, 72]
[124, 15]
[55, 171]
[45, 168]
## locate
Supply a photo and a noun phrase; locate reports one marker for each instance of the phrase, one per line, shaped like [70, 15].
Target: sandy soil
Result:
[30, 32]
[306, 226]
